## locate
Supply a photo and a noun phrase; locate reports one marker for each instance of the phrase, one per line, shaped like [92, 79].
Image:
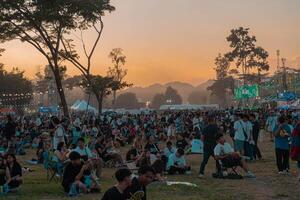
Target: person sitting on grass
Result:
[4, 175]
[76, 176]
[225, 154]
[87, 155]
[116, 192]
[137, 189]
[177, 164]
[15, 171]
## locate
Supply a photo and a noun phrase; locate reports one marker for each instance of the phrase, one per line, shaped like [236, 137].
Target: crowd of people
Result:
[149, 145]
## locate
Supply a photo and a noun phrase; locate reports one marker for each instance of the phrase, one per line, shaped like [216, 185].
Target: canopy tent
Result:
[190, 107]
[77, 102]
[83, 106]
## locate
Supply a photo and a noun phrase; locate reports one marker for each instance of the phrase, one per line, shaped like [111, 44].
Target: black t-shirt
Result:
[16, 170]
[113, 194]
[209, 133]
[136, 191]
[70, 173]
[2, 175]
[132, 152]
[181, 144]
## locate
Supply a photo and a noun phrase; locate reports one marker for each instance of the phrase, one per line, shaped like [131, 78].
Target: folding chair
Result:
[232, 174]
[51, 167]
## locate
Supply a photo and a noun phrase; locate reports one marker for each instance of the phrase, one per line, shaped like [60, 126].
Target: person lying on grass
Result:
[228, 158]
[116, 192]
[77, 176]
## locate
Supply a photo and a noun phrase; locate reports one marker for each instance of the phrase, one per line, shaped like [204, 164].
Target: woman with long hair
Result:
[15, 171]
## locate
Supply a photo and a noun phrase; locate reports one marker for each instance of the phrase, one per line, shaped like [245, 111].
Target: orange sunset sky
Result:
[177, 40]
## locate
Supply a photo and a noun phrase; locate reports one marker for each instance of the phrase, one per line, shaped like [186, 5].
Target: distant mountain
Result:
[184, 89]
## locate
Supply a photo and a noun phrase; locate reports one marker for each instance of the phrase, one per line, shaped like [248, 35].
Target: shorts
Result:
[231, 162]
[239, 145]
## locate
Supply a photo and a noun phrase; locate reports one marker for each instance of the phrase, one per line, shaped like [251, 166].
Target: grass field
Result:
[267, 185]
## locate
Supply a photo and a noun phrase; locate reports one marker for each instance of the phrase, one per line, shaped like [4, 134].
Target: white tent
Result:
[77, 102]
[83, 106]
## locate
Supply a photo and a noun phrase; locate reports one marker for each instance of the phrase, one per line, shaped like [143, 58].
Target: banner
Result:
[246, 92]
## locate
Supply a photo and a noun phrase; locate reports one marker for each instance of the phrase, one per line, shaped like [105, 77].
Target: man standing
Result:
[240, 134]
[255, 133]
[209, 142]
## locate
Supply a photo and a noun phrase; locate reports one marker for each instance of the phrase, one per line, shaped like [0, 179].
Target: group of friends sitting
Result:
[149, 145]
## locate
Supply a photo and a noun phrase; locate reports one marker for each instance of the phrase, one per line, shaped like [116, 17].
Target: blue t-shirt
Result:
[283, 142]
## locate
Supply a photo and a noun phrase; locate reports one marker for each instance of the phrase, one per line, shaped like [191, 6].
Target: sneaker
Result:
[201, 176]
[250, 175]
[287, 172]
[281, 172]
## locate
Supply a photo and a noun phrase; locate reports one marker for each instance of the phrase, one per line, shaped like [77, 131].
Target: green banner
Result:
[246, 92]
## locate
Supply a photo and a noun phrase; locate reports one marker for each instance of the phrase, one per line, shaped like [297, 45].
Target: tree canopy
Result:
[15, 89]
[127, 101]
[44, 24]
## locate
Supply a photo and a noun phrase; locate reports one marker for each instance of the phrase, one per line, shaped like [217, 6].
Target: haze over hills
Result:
[184, 89]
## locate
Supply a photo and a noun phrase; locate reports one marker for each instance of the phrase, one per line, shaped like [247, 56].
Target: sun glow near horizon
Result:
[174, 40]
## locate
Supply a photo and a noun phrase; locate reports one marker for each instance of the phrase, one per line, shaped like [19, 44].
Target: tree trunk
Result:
[99, 98]
[87, 106]
[61, 92]
[114, 99]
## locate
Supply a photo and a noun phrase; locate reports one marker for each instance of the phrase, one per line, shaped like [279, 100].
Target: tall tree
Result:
[101, 86]
[246, 54]
[224, 81]
[117, 71]
[158, 100]
[128, 101]
[44, 23]
[172, 96]
[15, 89]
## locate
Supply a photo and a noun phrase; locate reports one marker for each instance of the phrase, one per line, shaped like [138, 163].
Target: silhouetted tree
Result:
[117, 71]
[157, 101]
[45, 25]
[247, 55]
[224, 82]
[172, 96]
[128, 101]
[15, 89]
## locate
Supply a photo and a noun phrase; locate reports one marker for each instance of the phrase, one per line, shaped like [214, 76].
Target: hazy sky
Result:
[168, 40]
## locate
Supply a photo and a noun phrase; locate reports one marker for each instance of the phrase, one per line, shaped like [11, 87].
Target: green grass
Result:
[268, 184]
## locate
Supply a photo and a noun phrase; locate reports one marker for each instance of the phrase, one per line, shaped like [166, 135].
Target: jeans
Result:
[206, 156]
[282, 159]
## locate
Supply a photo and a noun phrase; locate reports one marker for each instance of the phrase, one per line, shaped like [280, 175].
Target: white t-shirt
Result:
[58, 136]
[223, 149]
[238, 127]
[84, 152]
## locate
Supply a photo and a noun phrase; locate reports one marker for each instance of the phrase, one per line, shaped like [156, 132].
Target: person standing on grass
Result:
[270, 124]
[116, 192]
[255, 134]
[282, 133]
[295, 147]
[240, 134]
[209, 142]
